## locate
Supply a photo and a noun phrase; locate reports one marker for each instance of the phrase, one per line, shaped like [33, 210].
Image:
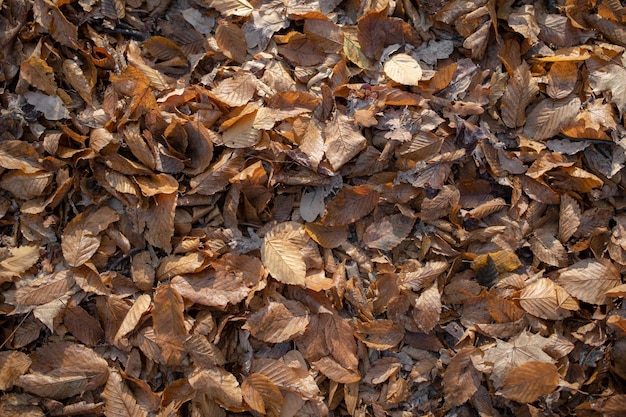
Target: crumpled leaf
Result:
[278, 322]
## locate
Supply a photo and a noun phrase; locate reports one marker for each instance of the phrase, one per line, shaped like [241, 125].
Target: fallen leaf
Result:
[527, 382]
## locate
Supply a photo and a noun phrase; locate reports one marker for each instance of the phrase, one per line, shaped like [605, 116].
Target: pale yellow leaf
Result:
[404, 69]
[283, 259]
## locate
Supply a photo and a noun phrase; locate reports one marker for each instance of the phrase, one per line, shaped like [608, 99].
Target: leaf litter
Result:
[329, 208]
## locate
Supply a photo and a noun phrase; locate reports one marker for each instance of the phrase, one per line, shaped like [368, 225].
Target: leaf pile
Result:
[224, 207]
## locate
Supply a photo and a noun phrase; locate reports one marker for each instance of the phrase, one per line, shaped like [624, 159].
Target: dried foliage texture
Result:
[312, 208]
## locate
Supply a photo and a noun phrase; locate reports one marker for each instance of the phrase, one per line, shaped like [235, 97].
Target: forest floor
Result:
[312, 208]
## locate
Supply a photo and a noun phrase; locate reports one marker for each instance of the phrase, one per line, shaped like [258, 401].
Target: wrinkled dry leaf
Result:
[282, 257]
[278, 322]
[530, 380]
[547, 300]
[461, 379]
[588, 280]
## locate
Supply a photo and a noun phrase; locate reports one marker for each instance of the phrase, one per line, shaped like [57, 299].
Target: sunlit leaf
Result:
[403, 69]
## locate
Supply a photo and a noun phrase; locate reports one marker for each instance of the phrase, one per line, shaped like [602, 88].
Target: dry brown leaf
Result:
[22, 258]
[562, 79]
[260, 393]
[12, 365]
[548, 249]
[218, 385]
[133, 316]
[529, 381]
[36, 72]
[547, 118]
[569, 217]
[336, 372]
[16, 154]
[286, 377]
[278, 322]
[343, 141]
[119, 400]
[417, 277]
[378, 334]
[546, 300]
[52, 386]
[81, 236]
[403, 69]
[427, 308]
[50, 17]
[173, 265]
[82, 79]
[282, 257]
[231, 7]
[237, 90]
[242, 133]
[231, 41]
[381, 370]
[83, 326]
[588, 280]
[524, 347]
[519, 93]
[168, 322]
[44, 289]
[460, 380]
[203, 352]
[340, 342]
[388, 232]
[350, 204]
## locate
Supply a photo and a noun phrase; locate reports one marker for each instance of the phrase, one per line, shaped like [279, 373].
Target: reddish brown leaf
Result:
[350, 204]
[461, 379]
[529, 381]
